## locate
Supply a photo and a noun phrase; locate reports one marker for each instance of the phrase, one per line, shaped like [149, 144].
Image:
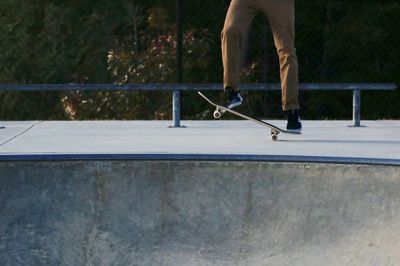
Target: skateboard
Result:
[220, 110]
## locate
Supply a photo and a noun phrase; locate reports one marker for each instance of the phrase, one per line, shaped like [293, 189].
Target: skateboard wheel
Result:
[217, 114]
[274, 137]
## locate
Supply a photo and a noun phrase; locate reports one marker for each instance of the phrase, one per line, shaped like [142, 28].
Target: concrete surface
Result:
[214, 193]
[198, 213]
[380, 139]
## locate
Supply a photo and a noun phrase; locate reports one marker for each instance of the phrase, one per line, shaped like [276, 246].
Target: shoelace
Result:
[232, 95]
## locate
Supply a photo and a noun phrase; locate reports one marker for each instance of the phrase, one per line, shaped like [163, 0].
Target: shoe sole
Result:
[234, 105]
[294, 130]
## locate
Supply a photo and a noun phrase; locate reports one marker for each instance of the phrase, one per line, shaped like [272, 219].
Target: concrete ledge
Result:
[197, 157]
[322, 141]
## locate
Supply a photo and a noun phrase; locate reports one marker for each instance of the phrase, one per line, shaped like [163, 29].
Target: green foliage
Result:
[361, 46]
[133, 41]
[147, 55]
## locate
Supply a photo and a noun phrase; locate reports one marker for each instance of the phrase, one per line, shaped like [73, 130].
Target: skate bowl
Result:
[198, 212]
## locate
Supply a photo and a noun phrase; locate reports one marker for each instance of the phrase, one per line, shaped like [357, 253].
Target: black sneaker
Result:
[234, 98]
[294, 123]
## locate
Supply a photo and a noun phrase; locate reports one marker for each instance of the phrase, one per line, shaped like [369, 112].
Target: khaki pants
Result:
[280, 14]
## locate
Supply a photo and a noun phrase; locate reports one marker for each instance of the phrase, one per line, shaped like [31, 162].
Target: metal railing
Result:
[176, 90]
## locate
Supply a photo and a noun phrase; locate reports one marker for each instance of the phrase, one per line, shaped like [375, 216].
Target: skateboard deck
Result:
[275, 131]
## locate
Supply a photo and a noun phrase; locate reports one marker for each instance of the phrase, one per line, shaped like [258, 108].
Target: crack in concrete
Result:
[19, 134]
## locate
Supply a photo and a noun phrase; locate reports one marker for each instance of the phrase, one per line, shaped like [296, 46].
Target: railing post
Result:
[176, 108]
[356, 108]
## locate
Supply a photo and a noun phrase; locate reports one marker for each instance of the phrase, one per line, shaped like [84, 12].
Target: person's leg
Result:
[240, 14]
[280, 14]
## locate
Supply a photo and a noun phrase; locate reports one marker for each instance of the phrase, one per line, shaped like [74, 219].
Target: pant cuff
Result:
[290, 107]
[236, 88]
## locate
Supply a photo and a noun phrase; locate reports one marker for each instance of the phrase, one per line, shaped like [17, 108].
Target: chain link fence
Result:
[134, 41]
[336, 41]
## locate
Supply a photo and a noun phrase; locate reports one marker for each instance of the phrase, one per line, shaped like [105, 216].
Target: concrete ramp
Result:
[198, 213]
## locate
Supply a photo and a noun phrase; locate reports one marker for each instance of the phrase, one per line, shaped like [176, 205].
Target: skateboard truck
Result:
[218, 113]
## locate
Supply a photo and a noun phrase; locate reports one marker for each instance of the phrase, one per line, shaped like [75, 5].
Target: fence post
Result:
[356, 108]
[176, 95]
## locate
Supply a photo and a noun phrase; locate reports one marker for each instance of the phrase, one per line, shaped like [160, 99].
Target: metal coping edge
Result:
[198, 157]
